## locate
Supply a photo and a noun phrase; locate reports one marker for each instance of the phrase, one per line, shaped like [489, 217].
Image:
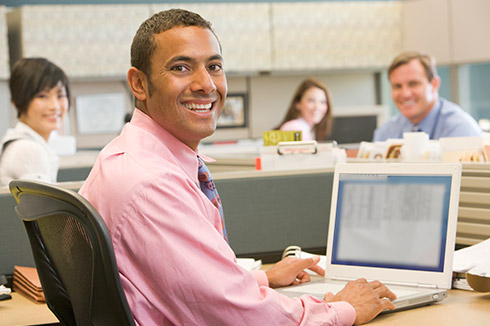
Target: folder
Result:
[26, 280]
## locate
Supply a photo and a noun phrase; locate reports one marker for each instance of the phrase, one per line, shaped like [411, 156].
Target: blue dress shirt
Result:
[446, 119]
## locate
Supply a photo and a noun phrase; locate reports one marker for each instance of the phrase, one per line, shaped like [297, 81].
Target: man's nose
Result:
[203, 82]
[405, 91]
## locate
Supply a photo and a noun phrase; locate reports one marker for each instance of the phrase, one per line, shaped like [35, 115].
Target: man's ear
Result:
[436, 82]
[138, 83]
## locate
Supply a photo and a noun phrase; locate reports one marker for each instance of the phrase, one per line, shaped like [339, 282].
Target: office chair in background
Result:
[73, 253]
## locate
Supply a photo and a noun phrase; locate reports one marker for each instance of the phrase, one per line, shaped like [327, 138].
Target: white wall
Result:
[271, 95]
[5, 107]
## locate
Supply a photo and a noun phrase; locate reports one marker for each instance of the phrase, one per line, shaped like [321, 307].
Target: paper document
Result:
[249, 264]
[471, 257]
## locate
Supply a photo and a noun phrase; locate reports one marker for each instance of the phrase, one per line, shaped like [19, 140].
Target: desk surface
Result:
[23, 311]
[459, 308]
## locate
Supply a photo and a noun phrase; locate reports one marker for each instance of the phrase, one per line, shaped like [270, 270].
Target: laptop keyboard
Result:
[319, 289]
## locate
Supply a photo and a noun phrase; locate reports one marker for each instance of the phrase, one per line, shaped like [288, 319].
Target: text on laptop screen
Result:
[391, 221]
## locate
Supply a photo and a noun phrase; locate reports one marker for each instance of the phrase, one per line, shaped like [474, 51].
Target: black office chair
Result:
[73, 253]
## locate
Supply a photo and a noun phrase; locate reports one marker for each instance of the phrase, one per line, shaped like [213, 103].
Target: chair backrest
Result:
[73, 253]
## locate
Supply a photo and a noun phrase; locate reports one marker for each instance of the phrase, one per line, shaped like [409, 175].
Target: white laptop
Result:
[392, 222]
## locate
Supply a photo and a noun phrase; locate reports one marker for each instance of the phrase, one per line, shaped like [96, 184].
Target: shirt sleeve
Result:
[24, 159]
[176, 268]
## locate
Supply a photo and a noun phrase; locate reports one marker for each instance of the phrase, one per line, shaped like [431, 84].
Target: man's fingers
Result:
[317, 269]
[387, 304]
[328, 297]
[384, 292]
[303, 277]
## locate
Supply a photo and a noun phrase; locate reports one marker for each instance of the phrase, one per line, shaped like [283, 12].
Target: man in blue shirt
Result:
[415, 91]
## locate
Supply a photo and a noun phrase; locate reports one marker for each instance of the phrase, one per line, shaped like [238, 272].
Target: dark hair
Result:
[427, 61]
[324, 127]
[144, 45]
[30, 76]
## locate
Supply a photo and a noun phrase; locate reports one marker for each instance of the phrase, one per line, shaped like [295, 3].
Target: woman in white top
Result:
[40, 92]
[310, 111]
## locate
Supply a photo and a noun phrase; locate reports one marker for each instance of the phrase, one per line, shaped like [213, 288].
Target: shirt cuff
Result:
[261, 277]
[345, 312]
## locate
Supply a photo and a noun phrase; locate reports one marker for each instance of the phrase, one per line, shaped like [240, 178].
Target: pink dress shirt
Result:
[175, 266]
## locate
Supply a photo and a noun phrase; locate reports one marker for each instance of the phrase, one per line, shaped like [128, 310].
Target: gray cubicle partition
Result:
[67, 174]
[265, 214]
[14, 244]
[15, 248]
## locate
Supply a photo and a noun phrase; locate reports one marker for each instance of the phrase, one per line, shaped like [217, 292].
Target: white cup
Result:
[415, 144]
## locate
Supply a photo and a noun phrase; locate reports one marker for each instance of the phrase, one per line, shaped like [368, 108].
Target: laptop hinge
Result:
[414, 285]
[427, 286]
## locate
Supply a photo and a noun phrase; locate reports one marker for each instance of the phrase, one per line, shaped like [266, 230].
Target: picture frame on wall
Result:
[235, 112]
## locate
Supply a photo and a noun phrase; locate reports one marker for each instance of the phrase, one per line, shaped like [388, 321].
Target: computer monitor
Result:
[353, 125]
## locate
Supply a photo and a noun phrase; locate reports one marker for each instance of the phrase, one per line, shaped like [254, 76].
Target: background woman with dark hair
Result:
[310, 111]
[40, 92]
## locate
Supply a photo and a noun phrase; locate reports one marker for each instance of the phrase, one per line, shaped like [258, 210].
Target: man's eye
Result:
[179, 68]
[215, 67]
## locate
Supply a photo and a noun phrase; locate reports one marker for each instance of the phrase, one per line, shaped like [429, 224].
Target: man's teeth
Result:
[199, 107]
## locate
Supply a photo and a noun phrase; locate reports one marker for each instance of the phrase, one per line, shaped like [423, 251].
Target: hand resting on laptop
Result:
[367, 298]
[291, 271]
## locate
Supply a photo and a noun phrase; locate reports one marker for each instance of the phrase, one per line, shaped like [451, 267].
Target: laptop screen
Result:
[392, 221]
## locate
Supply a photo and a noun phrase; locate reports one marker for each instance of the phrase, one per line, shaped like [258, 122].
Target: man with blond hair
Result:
[415, 91]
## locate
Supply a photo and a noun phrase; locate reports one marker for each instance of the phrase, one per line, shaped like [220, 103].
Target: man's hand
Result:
[291, 270]
[367, 298]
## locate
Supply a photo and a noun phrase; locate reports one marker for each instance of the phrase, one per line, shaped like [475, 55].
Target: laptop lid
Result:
[394, 222]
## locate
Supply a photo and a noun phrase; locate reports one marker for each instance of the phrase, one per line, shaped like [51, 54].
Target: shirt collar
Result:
[181, 154]
[427, 125]
[22, 130]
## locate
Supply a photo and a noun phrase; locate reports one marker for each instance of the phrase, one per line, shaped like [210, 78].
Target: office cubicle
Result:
[264, 212]
[267, 211]
[14, 243]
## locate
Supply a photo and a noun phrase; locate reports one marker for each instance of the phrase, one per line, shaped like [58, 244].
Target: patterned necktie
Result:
[209, 189]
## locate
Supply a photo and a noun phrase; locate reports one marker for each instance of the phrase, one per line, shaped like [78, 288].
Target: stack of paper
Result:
[249, 264]
[26, 280]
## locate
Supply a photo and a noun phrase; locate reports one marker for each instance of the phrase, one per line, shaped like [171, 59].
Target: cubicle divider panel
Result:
[265, 214]
[73, 173]
[14, 243]
[474, 205]
[15, 248]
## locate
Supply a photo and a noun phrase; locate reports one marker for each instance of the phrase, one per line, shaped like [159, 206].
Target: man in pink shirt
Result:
[175, 265]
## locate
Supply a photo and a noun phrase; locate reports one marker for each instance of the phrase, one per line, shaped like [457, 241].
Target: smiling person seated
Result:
[415, 91]
[151, 187]
[40, 93]
[310, 111]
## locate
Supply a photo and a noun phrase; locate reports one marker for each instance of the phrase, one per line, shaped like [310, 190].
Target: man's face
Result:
[412, 92]
[188, 83]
